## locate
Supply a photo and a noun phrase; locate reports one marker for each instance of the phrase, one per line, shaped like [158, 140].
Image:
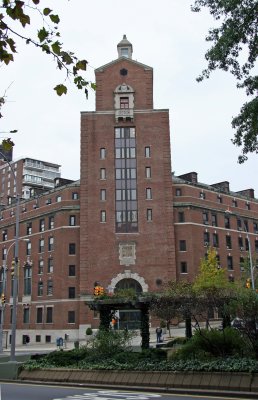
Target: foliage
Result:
[213, 343]
[15, 19]
[245, 306]
[152, 360]
[234, 49]
[106, 343]
[89, 331]
[177, 300]
[176, 341]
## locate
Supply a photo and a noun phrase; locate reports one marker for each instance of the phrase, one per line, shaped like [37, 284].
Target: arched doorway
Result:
[128, 319]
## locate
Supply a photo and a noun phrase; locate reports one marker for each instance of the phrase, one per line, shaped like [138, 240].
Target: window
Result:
[228, 242]
[102, 173]
[48, 339]
[27, 279]
[227, 222]
[247, 205]
[183, 267]
[205, 218]
[72, 248]
[214, 221]
[50, 243]
[202, 195]
[182, 245]
[4, 235]
[239, 224]
[26, 315]
[48, 201]
[50, 265]
[148, 194]
[246, 228]
[28, 248]
[220, 199]
[124, 102]
[255, 227]
[72, 220]
[178, 192]
[41, 225]
[242, 264]
[49, 316]
[41, 267]
[38, 339]
[75, 196]
[103, 216]
[29, 228]
[181, 216]
[50, 287]
[240, 243]
[147, 152]
[71, 317]
[147, 172]
[102, 194]
[246, 244]
[256, 245]
[102, 153]
[58, 199]
[40, 288]
[215, 240]
[41, 245]
[230, 262]
[206, 238]
[39, 315]
[71, 270]
[51, 222]
[234, 203]
[149, 214]
[71, 292]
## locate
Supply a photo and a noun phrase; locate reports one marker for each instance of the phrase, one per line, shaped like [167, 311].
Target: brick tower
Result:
[127, 236]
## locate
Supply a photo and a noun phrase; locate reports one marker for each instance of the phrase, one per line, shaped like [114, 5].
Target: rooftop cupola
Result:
[125, 48]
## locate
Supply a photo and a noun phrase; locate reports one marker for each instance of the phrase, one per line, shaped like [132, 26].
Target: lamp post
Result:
[4, 292]
[16, 255]
[250, 257]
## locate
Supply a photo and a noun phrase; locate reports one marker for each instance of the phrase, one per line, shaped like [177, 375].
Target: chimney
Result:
[191, 177]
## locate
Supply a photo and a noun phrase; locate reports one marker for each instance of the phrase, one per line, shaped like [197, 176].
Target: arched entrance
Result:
[128, 319]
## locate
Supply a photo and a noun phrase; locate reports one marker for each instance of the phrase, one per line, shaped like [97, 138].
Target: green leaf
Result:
[82, 64]
[45, 48]
[42, 34]
[11, 43]
[66, 58]
[36, 1]
[7, 144]
[60, 89]
[56, 47]
[93, 86]
[54, 18]
[46, 11]
[6, 57]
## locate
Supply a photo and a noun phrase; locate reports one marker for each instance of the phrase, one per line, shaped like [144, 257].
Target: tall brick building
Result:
[128, 223]
[126, 215]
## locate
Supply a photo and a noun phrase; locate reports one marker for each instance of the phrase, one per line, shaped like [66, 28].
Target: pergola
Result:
[108, 307]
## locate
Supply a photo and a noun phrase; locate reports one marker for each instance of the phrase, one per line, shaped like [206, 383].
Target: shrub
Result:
[213, 343]
[89, 331]
[107, 343]
[178, 340]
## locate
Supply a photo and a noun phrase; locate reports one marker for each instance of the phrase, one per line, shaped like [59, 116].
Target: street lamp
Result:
[250, 257]
[4, 292]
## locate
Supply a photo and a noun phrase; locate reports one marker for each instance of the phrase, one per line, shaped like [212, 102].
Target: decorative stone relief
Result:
[127, 253]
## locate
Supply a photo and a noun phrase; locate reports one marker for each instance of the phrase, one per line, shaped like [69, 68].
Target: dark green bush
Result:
[213, 343]
[66, 358]
[178, 340]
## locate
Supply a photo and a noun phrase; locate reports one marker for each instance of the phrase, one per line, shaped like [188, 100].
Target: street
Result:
[16, 391]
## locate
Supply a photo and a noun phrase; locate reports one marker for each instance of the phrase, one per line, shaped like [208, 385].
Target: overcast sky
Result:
[165, 35]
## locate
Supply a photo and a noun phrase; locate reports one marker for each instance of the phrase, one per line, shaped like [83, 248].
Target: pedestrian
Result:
[159, 334]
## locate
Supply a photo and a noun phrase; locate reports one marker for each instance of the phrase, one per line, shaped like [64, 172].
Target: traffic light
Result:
[13, 268]
[98, 290]
[3, 298]
[248, 283]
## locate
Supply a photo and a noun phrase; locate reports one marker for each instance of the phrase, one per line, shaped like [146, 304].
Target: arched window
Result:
[129, 284]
